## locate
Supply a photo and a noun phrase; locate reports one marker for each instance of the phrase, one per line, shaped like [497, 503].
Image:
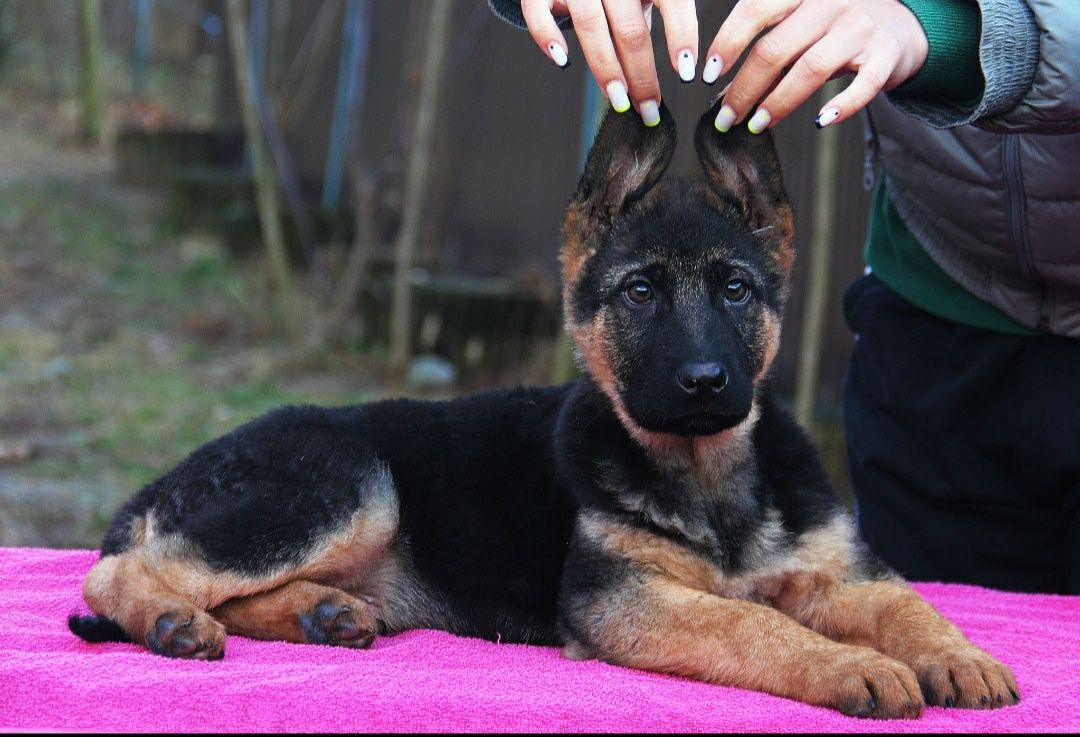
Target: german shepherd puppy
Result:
[661, 513]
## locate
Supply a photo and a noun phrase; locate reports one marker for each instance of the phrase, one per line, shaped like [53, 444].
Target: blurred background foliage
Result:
[415, 165]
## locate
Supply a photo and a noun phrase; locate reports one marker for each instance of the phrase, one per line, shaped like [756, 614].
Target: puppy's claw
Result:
[961, 675]
[870, 685]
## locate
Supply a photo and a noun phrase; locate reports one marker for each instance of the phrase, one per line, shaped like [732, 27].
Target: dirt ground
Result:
[122, 345]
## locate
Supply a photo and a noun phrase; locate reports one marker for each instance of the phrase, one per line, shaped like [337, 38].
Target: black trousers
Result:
[963, 446]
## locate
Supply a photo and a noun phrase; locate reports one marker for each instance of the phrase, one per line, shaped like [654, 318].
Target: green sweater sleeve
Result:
[951, 73]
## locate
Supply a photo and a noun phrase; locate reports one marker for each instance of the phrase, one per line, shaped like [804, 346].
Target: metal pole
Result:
[350, 94]
[142, 11]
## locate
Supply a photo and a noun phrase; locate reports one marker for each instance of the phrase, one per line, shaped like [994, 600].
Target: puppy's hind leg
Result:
[127, 591]
[304, 612]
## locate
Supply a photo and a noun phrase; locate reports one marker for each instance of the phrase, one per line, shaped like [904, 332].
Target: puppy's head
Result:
[674, 290]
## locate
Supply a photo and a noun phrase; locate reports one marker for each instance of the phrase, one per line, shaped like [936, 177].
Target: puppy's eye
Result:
[639, 292]
[736, 291]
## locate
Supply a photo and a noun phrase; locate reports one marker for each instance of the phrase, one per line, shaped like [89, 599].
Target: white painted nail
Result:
[558, 55]
[827, 116]
[760, 121]
[650, 113]
[712, 70]
[687, 66]
[724, 119]
[616, 92]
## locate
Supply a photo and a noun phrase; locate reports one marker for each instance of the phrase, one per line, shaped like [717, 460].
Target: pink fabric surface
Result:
[432, 681]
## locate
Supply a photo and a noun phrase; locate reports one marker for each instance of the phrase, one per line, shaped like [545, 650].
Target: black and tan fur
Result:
[662, 513]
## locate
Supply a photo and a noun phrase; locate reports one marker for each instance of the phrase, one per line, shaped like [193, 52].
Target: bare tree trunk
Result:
[352, 281]
[90, 71]
[266, 184]
[417, 171]
[817, 288]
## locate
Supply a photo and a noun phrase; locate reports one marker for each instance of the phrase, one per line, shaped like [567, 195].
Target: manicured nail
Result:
[687, 66]
[760, 121]
[558, 55]
[724, 119]
[826, 116]
[712, 70]
[650, 113]
[616, 92]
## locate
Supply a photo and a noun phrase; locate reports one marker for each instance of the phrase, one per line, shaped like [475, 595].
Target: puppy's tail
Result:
[94, 628]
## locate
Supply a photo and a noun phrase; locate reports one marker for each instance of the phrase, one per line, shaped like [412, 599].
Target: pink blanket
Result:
[432, 681]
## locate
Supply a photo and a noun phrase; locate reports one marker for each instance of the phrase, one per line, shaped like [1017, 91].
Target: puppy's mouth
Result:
[692, 424]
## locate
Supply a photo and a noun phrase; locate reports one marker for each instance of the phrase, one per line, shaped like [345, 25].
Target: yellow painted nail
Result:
[725, 118]
[616, 92]
[760, 121]
[650, 113]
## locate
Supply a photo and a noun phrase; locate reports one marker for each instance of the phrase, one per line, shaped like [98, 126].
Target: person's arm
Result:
[1027, 53]
[951, 74]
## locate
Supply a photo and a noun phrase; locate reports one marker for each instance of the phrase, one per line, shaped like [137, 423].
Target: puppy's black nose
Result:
[702, 379]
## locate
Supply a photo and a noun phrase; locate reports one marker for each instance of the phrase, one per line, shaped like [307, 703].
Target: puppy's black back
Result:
[487, 517]
[483, 519]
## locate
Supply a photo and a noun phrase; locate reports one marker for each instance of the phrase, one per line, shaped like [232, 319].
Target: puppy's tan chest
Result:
[777, 569]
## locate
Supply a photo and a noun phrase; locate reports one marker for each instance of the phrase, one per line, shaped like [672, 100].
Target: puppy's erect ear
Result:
[625, 161]
[744, 169]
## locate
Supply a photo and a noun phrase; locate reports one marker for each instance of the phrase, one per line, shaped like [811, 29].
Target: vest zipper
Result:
[870, 136]
[1014, 191]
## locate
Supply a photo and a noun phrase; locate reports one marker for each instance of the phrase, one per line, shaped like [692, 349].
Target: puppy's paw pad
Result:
[187, 634]
[339, 621]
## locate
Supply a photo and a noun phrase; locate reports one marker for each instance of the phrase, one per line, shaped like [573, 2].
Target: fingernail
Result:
[724, 119]
[687, 66]
[616, 92]
[827, 116]
[558, 55]
[760, 121]
[712, 70]
[650, 113]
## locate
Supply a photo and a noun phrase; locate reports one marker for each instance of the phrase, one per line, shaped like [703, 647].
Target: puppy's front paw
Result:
[187, 633]
[965, 676]
[868, 684]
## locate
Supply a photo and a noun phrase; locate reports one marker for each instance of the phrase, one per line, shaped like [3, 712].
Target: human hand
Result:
[616, 39]
[881, 41]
